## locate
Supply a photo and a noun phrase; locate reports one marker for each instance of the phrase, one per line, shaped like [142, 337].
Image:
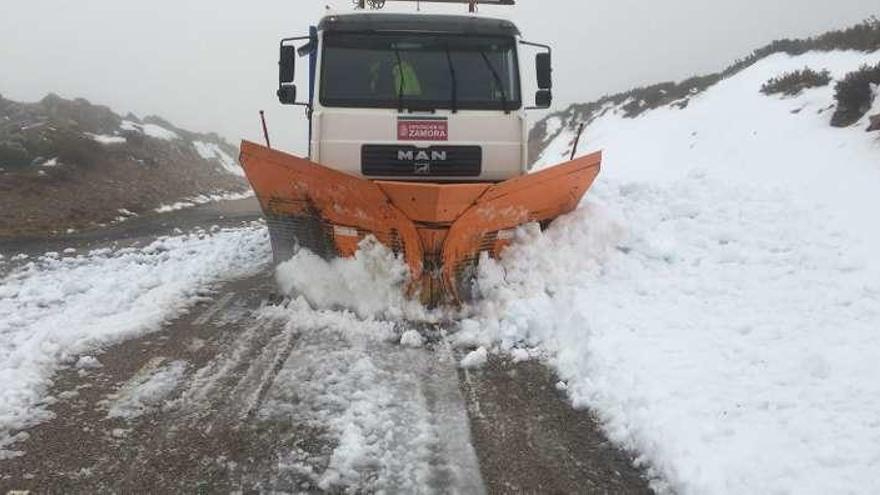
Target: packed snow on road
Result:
[393, 411]
[56, 309]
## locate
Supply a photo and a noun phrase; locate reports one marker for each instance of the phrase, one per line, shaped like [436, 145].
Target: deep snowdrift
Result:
[59, 307]
[716, 300]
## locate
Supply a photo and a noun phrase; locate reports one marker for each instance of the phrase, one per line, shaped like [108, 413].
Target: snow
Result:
[103, 139]
[412, 338]
[554, 125]
[475, 359]
[159, 132]
[50, 163]
[371, 284]
[213, 152]
[130, 126]
[520, 355]
[147, 391]
[559, 149]
[205, 199]
[151, 130]
[716, 299]
[394, 416]
[88, 363]
[124, 215]
[54, 309]
[875, 106]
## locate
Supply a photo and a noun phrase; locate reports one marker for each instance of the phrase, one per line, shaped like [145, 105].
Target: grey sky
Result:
[211, 65]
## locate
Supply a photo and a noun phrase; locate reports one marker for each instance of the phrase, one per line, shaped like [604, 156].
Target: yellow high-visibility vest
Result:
[410, 80]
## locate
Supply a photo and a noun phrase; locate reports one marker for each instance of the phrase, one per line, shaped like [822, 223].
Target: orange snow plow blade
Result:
[440, 230]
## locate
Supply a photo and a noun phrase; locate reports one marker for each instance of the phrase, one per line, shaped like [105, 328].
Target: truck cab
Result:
[417, 98]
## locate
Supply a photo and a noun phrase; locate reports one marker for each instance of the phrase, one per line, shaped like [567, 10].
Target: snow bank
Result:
[372, 283]
[56, 308]
[716, 301]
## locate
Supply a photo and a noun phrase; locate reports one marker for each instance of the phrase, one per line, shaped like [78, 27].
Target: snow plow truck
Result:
[417, 137]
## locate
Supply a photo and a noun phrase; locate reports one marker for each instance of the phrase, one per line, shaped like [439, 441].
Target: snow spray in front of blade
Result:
[372, 284]
[517, 292]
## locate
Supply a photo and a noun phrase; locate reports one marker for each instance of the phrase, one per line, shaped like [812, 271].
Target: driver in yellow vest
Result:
[404, 79]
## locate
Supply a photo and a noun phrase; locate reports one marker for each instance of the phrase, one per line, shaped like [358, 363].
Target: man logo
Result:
[422, 168]
[421, 156]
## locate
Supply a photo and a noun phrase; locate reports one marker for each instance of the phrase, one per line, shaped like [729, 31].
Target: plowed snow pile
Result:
[716, 300]
[56, 308]
[371, 284]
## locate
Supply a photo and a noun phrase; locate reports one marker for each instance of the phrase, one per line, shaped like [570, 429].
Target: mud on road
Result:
[225, 399]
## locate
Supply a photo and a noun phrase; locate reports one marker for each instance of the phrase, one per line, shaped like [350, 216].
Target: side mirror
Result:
[287, 65]
[544, 69]
[543, 98]
[287, 94]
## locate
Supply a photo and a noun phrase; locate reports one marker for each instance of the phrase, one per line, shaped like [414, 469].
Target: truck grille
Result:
[412, 161]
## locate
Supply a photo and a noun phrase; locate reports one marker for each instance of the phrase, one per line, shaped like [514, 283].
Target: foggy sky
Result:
[210, 65]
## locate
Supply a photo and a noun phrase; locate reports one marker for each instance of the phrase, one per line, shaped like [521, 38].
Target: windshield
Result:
[417, 71]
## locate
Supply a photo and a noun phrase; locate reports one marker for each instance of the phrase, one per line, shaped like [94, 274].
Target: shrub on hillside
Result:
[855, 95]
[792, 83]
[864, 37]
[13, 154]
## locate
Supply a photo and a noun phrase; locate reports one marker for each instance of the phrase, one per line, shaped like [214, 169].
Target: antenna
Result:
[472, 4]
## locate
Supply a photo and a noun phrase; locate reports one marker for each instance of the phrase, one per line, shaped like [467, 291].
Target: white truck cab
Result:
[416, 97]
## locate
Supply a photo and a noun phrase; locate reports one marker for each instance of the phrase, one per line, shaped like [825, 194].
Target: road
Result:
[250, 393]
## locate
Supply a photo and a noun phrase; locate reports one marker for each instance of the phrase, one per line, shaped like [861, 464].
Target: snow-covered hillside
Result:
[716, 299]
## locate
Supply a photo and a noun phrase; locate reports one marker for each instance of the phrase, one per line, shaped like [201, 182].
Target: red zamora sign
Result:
[423, 130]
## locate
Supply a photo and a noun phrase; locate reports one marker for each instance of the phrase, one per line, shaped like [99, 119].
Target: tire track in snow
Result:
[392, 419]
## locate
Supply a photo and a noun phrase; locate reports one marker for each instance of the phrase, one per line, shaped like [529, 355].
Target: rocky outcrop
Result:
[69, 164]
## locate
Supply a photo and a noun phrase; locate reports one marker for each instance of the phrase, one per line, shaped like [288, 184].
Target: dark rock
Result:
[875, 123]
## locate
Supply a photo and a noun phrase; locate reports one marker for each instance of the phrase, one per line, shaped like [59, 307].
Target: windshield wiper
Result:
[402, 80]
[498, 81]
[454, 81]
